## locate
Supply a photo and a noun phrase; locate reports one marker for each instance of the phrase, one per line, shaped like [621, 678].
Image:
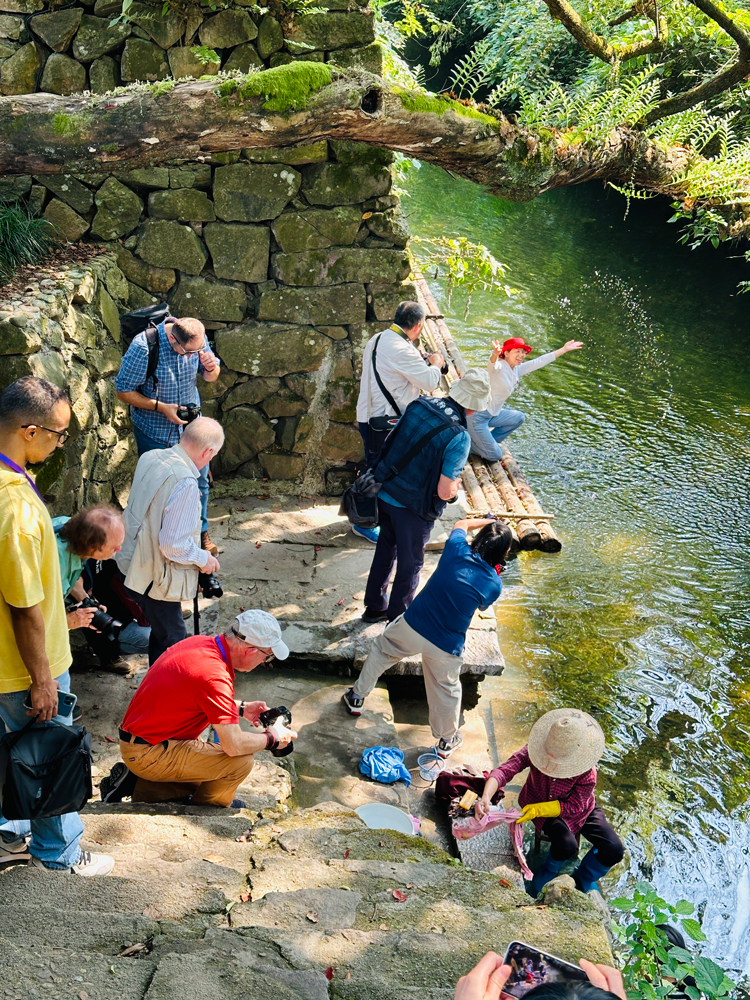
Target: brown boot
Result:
[208, 545]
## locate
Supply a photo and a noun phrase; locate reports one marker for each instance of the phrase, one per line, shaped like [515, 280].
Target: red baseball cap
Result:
[517, 342]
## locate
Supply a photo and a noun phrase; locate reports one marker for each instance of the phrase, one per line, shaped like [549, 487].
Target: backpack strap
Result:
[152, 340]
[398, 468]
[391, 401]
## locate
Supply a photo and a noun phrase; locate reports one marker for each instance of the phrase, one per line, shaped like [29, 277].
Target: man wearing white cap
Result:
[191, 687]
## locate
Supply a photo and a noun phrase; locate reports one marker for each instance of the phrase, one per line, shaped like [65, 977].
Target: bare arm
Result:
[572, 345]
[447, 488]
[28, 629]
[472, 523]
[235, 741]
[141, 402]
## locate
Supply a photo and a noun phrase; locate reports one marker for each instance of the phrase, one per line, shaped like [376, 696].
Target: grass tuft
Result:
[23, 240]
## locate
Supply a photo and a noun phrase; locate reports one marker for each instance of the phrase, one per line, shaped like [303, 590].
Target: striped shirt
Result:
[176, 375]
[182, 515]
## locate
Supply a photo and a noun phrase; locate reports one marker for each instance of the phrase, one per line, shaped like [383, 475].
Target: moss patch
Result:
[431, 103]
[65, 125]
[286, 88]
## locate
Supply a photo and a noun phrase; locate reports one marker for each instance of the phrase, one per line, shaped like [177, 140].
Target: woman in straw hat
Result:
[558, 796]
[506, 366]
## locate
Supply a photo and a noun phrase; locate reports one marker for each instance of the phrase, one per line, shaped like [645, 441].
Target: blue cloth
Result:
[384, 764]
[55, 840]
[71, 565]
[462, 582]
[176, 375]
[446, 454]
[487, 431]
[144, 443]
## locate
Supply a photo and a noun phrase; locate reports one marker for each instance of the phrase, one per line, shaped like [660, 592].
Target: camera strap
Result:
[23, 472]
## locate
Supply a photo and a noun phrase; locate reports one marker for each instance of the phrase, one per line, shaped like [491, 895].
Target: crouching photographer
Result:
[191, 687]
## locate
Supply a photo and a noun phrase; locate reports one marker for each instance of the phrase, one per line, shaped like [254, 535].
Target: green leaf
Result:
[693, 993]
[680, 954]
[693, 928]
[709, 977]
[684, 908]
[621, 903]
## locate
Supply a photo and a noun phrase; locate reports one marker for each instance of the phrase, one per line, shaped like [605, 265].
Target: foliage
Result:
[285, 88]
[205, 55]
[653, 963]
[465, 265]
[23, 240]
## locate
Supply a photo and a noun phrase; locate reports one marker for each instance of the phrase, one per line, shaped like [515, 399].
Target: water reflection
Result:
[639, 444]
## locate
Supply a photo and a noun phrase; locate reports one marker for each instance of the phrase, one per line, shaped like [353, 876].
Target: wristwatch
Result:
[242, 709]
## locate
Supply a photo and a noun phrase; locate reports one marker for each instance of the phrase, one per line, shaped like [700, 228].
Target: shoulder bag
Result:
[381, 427]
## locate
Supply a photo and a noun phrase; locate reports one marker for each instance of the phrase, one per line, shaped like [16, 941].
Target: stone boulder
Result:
[184, 65]
[13, 188]
[277, 466]
[331, 31]
[104, 75]
[164, 243]
[342, 443]
[245, 193]
[345, 183]
[270, 37]
[151, 178]
[250, 392]
[314, 306]
[142, 60]
[283, 403]
[191, 175]
[368, 58]
[57, 30]
[227, 29]
[208, 299]
[246, 433]
[316, 229]
[244, 59]
[154, 279]
[263, 349]
[97, 36]
[65, 220]
[18, 74]
[19, 340]
[184, 204]
[342, 400]
[383, 299]
[68, 189]
[238, 252]
[165, 30]
[390, 225]
[339, 265]
[12, 27]
[314, 152]
[119, 210]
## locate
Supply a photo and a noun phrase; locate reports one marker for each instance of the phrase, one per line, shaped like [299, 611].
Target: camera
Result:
[210, 585]
[268, 718]
[101, 621]
[188, 412]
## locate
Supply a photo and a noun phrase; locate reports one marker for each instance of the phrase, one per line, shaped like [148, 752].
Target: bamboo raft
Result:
[499, 487]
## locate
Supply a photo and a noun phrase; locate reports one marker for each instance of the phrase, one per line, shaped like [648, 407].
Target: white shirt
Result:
[403, 371]
[176, 541]
[504, 379]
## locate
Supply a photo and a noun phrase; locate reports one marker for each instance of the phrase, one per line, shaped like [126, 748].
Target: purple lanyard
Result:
[223, 651]
[23, 472]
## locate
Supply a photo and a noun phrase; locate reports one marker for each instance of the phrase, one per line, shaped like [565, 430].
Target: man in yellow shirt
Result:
[34, 645]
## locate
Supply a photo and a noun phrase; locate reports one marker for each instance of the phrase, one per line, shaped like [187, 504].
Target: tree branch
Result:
[597, 45]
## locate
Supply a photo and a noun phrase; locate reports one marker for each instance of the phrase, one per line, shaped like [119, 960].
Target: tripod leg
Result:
[196, 617]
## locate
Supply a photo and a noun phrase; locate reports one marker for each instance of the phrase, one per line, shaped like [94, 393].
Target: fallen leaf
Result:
[399, 896]
[348, 975]
[409, 885]
[318, 548]
[245, 897]
[276, 829]
[383, 927]
[215, 859]
[505, 883]
[347, 887]
[329, 972]
[275, 511]
[241, 610]
[257, 545]
[109, 739]
[340, 602]
[230, 906]
[318, 532]
[133, 950]
[367, 215]
[243, 837]
[112, 969]
[347, 852]
[312, 916]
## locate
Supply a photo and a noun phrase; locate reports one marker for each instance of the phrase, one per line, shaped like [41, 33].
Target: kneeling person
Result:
[190, 687]
[435, 624]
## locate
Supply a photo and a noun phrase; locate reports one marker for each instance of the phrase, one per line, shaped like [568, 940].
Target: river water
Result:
[639, 444]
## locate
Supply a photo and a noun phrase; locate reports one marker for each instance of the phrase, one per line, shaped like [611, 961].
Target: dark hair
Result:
[86, 531]
[570, 989]
[183, 330]
[29, 400]
[493, 543]
[408, 315]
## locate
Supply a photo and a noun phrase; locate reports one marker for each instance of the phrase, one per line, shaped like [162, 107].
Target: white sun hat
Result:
[260, 629]
[472, 390]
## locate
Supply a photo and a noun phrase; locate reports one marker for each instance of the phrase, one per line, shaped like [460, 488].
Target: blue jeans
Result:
[487, 431]
[55, 841]
[145, 443]
[134, 638]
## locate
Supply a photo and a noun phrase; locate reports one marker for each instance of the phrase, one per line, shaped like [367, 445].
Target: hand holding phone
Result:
[66, 702]
[530, 967]
[485, 981]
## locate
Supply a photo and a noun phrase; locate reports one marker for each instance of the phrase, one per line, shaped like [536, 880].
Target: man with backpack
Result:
[157, 379]
[419, 469]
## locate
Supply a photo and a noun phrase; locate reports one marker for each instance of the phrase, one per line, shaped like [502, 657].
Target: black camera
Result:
[101, 621]
[188, 412]
[210, 585]
[268, 718]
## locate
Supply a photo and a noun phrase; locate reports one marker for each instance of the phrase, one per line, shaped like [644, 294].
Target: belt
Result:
[129, 738]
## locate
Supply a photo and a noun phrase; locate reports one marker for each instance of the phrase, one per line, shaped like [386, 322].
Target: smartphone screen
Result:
[531, 967]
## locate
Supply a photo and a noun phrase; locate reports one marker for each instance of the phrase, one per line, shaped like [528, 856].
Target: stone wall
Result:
[291, 258]
[66, 328]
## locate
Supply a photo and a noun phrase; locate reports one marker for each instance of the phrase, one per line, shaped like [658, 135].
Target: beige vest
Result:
[140, 558]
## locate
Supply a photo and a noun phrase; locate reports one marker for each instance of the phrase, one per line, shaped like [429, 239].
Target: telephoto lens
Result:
[210, 585]
[102, 621]
[268, 718]
[188, 411]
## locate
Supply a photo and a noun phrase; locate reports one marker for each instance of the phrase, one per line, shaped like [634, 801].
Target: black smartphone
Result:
[66, 702]
[531, 967]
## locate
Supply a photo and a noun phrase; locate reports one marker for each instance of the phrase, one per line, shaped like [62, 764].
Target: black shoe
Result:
[119, 784]
[238, 804]
[371, 616]
[352, 702]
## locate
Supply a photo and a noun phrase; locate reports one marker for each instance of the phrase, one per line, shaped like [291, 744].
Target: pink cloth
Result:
[464, 829]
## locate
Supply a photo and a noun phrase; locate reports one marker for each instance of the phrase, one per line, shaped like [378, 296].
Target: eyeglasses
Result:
[269, 655]
[62, 436]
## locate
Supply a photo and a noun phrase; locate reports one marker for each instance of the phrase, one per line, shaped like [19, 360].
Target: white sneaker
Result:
[87, 865]
[446, 747]
[14, 850]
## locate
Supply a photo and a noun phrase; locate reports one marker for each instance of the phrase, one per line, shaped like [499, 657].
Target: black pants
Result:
[167, 623]
[597, 830]
[403, 536]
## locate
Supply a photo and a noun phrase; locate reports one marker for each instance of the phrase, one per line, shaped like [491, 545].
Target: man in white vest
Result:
[161, 555]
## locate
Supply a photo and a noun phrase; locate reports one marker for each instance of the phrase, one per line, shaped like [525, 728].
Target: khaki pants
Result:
[441, 673]
[185, 767]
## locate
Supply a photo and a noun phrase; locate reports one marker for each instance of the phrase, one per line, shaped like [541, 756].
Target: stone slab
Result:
[288, 563]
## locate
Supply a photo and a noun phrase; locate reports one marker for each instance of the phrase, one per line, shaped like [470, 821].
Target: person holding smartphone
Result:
[488, 977]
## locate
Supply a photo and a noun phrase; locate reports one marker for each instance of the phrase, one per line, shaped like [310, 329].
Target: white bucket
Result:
[381, 816]
[430, 765]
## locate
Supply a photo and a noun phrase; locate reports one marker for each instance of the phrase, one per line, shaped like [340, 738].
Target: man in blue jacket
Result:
[432, 434]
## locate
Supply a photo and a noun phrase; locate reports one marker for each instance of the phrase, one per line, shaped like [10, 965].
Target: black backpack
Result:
[147, 318]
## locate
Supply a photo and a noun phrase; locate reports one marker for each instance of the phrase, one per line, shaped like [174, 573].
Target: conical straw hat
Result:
[565, 743]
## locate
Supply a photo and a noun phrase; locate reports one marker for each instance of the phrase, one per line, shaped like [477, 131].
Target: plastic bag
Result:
[463, 829]
[384, 764]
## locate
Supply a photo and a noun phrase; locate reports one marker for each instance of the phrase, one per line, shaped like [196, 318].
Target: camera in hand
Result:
[268, 718]
[101, 621]
[188, 412]
[210, 585]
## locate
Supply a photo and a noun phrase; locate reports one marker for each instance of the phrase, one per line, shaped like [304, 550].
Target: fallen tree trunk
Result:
[146, 125]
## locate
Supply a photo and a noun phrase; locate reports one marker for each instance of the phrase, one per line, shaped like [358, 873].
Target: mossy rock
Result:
[246, 433]
[270, 37]
[66, 221]
[251, 392]
[69, 190]
[19, 73]
[368, 58]
[390, 225]
[164, 243]
[278, 466]
[144, 61]
[346, 151]
[185, 65]
[104, 75]
[207, 299]
[271, 349]
[345, 184]
[18, 340]
[314, 306]
[339, 265]
[342, 443]
[97, 36]
[254, 193]
[57, 30]
[283, 403]
[13, 188]
[383, 299]
[332, 31]
[244, 59]
[119, 210]
[239, 252]
[191, 175]
[316, 229]
[314, 152]
[342, 400]
[165, 30]
[227, 29]
[183, 204]
[151, 178]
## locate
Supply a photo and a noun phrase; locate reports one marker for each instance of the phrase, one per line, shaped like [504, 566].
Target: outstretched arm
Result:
[572, 345]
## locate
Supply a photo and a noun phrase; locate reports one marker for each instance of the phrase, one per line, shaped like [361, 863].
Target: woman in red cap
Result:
[506, 366]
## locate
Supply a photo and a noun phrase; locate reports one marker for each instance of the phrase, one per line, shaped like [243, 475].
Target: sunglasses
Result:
[62, 436]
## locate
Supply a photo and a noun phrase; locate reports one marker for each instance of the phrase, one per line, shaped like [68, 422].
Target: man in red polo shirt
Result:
[190, 687]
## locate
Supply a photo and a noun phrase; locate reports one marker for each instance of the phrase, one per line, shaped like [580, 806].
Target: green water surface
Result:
[639, 444]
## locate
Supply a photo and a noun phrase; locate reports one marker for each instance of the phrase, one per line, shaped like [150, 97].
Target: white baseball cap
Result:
[260, 629]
